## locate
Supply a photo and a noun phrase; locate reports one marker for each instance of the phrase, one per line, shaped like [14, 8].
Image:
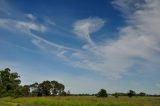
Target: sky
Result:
[84, 44]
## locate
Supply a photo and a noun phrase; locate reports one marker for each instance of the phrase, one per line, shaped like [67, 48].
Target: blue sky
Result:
[87, 44]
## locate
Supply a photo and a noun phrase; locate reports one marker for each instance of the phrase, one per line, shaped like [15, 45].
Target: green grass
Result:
[80, 101]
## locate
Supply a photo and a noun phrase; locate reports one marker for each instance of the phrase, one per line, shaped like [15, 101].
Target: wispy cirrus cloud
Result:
[127, 7]
[83, 28]
[31, 16]
[138, 42]
[26, 27]
[31, 26]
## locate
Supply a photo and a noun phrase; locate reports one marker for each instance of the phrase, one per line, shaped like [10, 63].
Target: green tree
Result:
[35, 89]
[10, 86]
[60, 89]
[131, 93]
[9, 82]
[45, 87]
[54, 89]
[57, 88]
[102, 93]
[22, 91]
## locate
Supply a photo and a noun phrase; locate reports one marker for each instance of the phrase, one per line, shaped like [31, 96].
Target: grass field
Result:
[80, 101]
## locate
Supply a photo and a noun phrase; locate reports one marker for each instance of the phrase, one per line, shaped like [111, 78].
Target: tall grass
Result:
[80, 101]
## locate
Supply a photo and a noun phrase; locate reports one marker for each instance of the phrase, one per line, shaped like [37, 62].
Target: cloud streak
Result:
[138, 43]
[83, 28]
[31, 26]
[27, 27]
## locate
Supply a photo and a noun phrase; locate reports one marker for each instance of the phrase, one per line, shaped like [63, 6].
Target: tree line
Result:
[131, 93]
[10, 86]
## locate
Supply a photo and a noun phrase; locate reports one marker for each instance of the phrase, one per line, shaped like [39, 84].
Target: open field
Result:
[80, 101]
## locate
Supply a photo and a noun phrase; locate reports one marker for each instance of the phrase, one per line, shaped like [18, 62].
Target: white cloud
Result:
[11, 24]
[50, 47]
[138, 44]
[31, 26]
[127, 7]
[30, 16]
[83, 28]
[26, 27]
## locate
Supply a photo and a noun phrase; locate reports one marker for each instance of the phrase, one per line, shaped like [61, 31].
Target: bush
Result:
[102, 93]
[131, 93]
